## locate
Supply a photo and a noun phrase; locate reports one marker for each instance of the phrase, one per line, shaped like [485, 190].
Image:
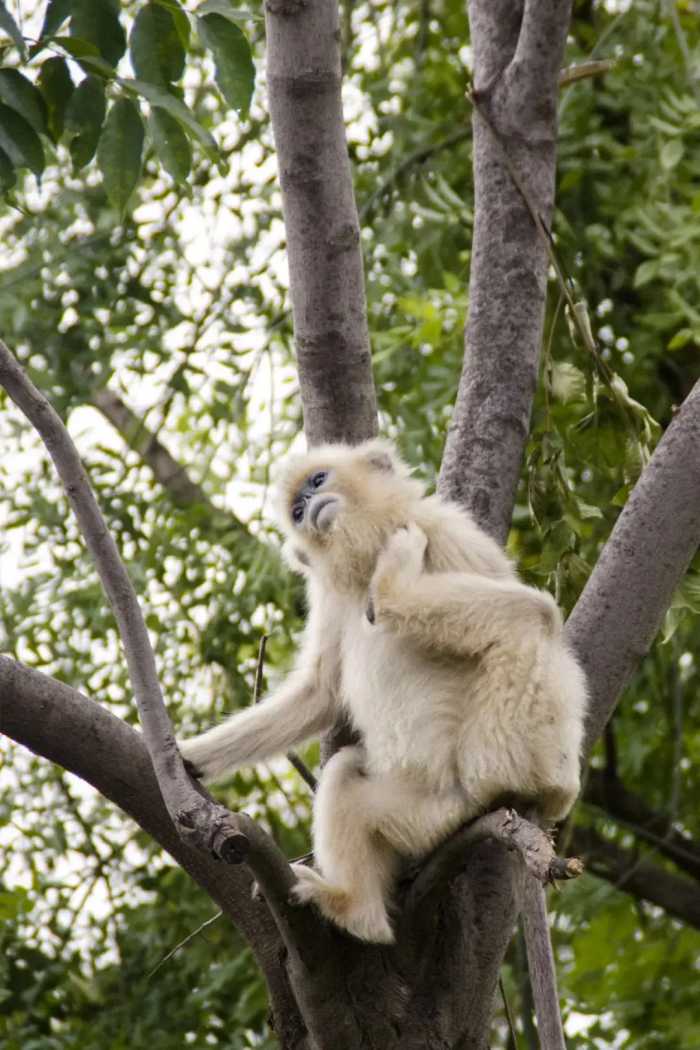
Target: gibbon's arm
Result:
[299, 709]
[459, 612]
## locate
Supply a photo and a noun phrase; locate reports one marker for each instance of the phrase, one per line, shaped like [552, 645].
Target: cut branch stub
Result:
[533, 844]
[217, 828]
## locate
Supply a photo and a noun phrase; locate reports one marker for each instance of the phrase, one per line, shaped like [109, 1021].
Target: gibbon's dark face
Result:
[314, 506]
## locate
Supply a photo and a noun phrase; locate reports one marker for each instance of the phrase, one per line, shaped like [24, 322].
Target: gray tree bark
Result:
[323, 233]
[518, 50]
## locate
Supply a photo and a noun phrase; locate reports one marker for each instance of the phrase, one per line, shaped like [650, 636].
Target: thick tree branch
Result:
[644, 560]
[323, 234]
[540, 964]
[634, 873]
[610, 794]
[535, 847]
[66, 727]
[517, 56]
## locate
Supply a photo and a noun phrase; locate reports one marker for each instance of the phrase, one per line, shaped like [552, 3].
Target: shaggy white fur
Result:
[455, 673]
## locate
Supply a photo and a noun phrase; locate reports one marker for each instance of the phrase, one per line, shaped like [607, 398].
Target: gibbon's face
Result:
[339, 504]
[315, 506]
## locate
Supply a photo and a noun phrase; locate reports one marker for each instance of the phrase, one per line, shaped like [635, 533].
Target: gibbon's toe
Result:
[312, 888]
[368, 922]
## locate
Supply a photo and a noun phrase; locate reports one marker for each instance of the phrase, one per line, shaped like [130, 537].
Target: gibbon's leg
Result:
[298, 710]
[361, 825]
[459, 612]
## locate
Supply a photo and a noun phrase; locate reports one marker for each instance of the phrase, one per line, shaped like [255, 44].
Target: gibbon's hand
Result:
[404, 555]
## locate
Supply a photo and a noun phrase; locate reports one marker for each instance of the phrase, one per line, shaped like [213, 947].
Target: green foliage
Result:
[85, 114]
[181, 310]
[121, 140]
[235, 73]
[34, 96]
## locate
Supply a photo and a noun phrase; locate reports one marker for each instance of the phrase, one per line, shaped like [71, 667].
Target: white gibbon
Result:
[455, 674]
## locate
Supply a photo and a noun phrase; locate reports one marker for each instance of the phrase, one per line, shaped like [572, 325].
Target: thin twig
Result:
[682, 41]
[577, 311]
[581, 70]
[298, 763]
[182, 944]
[417, 156]
[509, 1015]
[257, 683]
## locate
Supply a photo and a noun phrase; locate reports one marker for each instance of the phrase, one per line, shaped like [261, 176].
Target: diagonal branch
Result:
[320, 215]
[644, 560]
[62, 725]
[516, 83]
[196, 816]
[636, 874]
[172, 475]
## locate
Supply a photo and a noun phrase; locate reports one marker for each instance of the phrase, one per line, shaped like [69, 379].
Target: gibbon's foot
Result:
[366, 920]
[404, 554]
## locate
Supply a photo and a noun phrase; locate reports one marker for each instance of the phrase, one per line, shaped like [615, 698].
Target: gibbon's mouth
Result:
[323, 512]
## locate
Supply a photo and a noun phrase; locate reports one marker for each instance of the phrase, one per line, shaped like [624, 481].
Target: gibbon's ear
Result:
[381, 456]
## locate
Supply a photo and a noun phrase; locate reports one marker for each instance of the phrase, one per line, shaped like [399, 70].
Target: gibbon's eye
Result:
[298, 512]
[318, 479]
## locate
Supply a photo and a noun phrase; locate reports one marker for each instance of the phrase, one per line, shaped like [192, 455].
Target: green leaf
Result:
[182, 22]
[120, 149]
[226, 9]
[98, 22]
[155, 48]
[56, 88]
[20, 94]
[682, 337]
[671, 154]
[646, 272]
[171, 143]
[158, 97]
[568, 382]
[8, 24]
[20, 142]
[235, 72]
[8, 177]
[83, 121]
[57, 12]
[86, 53]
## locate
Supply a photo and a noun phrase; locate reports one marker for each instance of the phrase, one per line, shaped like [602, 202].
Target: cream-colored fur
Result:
[455, 673]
